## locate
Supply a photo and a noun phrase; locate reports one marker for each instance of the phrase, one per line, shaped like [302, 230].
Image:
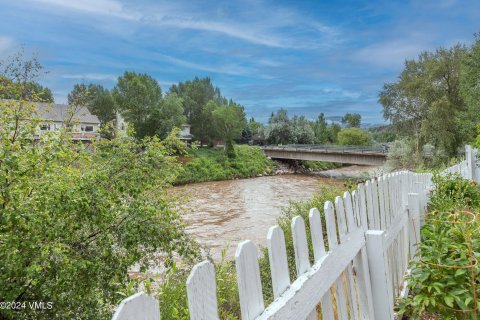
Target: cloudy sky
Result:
[306, 56]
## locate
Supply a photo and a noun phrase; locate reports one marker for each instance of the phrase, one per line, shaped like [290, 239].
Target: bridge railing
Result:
[332, 148]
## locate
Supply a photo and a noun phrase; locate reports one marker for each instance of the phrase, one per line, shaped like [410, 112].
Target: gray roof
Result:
[62, 112]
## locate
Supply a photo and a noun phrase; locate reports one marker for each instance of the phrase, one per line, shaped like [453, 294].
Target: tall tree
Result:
[470, 90]
[138, 98]
[279, 129]
[18, 79]
[320, 129]
[196, 95]
[170, 115]
[229, 122]
[352, 120]
[96, 98]
[425, 101]
[302, 130]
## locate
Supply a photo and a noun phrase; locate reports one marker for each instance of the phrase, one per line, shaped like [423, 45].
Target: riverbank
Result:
[211, 164]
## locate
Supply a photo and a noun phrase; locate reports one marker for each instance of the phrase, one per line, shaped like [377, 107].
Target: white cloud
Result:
[390, 54]
[101, 7]
[91, 76]
[231, 69]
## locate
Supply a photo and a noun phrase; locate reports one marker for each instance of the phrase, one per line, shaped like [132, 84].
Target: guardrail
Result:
[331, 148]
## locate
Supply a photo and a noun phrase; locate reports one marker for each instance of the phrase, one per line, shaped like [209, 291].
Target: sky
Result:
[305, 56]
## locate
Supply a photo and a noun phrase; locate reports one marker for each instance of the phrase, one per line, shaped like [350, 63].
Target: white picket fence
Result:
[357, 271]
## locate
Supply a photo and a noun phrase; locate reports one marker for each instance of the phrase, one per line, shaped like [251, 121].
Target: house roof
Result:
[62, 112]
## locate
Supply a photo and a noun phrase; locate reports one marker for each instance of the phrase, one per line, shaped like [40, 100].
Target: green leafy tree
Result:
[74, 220]
[17, 85]
[352, 120]
[229, 122]
[353, 137]
[333, 131]
[470, 91]
[96, 98]
[254, 126]
[320, 129]
[279, 129]
[425, 102]
[196, 95]
[138, 98]
[170, 115]
[302, 130]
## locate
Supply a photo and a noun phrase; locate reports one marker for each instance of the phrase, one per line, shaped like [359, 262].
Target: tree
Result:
[469, 89]
[320, 129]
[196, 95]
[170, 115]
[73, 220]
[302, 130]
[96, 98]
[352, 120]
[353, 137]
[229, 122]
[425, 102]
[279, 129]
[138, 98]
[15, 84]
[333, 131]
[254, 126]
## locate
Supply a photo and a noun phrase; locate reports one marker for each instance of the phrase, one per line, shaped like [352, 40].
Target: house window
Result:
[45, 127]
[87, 128]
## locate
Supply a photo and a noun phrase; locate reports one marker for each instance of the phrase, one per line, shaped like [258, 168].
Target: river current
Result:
[220, 214]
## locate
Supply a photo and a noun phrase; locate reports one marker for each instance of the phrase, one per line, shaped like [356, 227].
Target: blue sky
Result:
[306, 56]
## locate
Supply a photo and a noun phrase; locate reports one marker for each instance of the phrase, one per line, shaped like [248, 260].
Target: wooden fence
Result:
[361, 247]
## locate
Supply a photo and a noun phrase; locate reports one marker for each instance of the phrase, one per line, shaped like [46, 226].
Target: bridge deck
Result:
[339, 154]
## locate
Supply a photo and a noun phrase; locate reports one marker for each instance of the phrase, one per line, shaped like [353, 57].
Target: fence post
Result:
[469, 157]
[377, 262]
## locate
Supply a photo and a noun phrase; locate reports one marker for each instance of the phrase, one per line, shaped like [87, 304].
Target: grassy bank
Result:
[319, 165]
[211, 164]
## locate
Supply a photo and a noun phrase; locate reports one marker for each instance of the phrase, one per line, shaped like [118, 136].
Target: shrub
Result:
[73, 219]
[353, 137]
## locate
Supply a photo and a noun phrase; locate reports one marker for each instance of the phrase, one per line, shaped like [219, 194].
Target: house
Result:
[185, 134]
[82, 125]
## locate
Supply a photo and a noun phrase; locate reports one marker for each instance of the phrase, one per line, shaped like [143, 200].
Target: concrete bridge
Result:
[374, 156]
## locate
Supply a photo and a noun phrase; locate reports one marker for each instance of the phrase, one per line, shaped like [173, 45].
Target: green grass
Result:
[319, 165]
[209, 164]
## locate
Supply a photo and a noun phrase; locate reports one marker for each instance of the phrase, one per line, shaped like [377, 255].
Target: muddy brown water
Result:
[220, 214]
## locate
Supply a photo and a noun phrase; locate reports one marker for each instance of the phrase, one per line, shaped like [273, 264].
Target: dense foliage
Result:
[445, 278]
[74, 219]
[212, 164]
[353, 137]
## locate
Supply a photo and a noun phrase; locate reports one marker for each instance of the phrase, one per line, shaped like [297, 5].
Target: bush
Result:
[74, 219]
[440, 281]
[353, 137]
[212, 164]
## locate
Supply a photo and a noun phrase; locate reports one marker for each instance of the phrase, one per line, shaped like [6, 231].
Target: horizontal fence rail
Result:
[362, 243]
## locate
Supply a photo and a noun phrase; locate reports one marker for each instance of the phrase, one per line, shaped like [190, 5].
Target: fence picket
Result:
[319, 253]
[376, 211]
[351, 292]
[316, 234]
[138, 305]
[370, 210]
[332, 244]
[202, 292]
[248, 279]
[362, 204]
[277, 254]
[300, 245]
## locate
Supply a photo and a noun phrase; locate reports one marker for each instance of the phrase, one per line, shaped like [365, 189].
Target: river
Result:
[220, 214]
